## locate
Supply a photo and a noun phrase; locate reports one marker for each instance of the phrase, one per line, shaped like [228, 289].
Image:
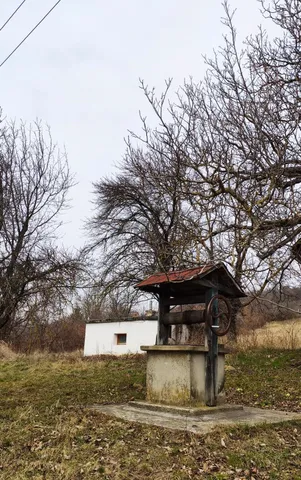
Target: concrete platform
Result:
[203, 422]
[186, 411]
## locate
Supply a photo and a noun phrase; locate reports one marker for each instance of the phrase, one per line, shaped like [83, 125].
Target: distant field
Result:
[285, 334]
[48, 433]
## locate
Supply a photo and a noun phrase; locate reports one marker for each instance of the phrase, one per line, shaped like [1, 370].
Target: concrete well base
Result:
[187, 411]
[201, 423]
[176, 374]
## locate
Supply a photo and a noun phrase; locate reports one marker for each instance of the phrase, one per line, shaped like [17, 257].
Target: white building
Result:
[119, 338]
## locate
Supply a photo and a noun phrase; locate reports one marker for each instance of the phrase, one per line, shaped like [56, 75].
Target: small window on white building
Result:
[120, 338]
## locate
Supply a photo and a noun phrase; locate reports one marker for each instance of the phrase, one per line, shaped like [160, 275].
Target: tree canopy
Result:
[219, 177]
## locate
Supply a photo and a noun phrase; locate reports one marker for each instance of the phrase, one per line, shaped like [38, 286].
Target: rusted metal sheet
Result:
[176, 276]
[193, 282]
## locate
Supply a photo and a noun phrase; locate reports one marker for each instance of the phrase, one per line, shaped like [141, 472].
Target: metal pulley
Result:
[218, 315]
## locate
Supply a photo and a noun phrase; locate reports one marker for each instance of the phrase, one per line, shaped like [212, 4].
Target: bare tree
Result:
[100, 305]
[238, 134]
[249, 136]
[139, 224]
[34, 184]
[223, 163]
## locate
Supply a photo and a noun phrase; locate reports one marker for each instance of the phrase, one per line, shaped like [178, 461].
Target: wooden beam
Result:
[189, 317]
[211, 359]
[163, 330]
[150, 289]
[184, 300]
[216, 286]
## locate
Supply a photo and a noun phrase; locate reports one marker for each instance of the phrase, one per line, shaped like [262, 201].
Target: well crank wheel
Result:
[219, 315]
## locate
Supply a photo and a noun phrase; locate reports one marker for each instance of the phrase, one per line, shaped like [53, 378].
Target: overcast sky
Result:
[79, 72]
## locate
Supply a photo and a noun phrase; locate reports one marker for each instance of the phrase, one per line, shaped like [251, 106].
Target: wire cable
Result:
[28, 35]
[14, 13]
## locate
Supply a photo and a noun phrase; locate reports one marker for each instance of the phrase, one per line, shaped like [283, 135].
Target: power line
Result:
[28, 35]
[14, 13]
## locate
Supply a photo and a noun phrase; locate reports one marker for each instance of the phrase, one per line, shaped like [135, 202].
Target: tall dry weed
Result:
[276, 335]
[6, 352]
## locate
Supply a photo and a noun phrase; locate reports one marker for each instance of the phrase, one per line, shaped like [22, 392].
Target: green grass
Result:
[266, 379]
[46, 431]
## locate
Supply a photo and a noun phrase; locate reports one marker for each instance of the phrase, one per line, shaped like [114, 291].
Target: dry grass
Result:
[47, 433]
[276, 335]
[6, 353]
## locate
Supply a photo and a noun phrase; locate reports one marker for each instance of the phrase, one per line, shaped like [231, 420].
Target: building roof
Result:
[188, 281]
[141, 318]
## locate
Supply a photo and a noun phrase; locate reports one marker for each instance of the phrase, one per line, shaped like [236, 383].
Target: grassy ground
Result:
[46, 431]
[285, 334]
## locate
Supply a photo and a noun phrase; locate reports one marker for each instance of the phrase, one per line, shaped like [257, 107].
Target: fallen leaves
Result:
[43, 438]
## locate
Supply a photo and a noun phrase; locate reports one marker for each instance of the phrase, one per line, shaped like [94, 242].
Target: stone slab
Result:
[185, 411]
[199, 424]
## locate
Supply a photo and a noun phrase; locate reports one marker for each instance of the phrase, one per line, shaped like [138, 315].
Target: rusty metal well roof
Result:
[176, 276]
[189, 277]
